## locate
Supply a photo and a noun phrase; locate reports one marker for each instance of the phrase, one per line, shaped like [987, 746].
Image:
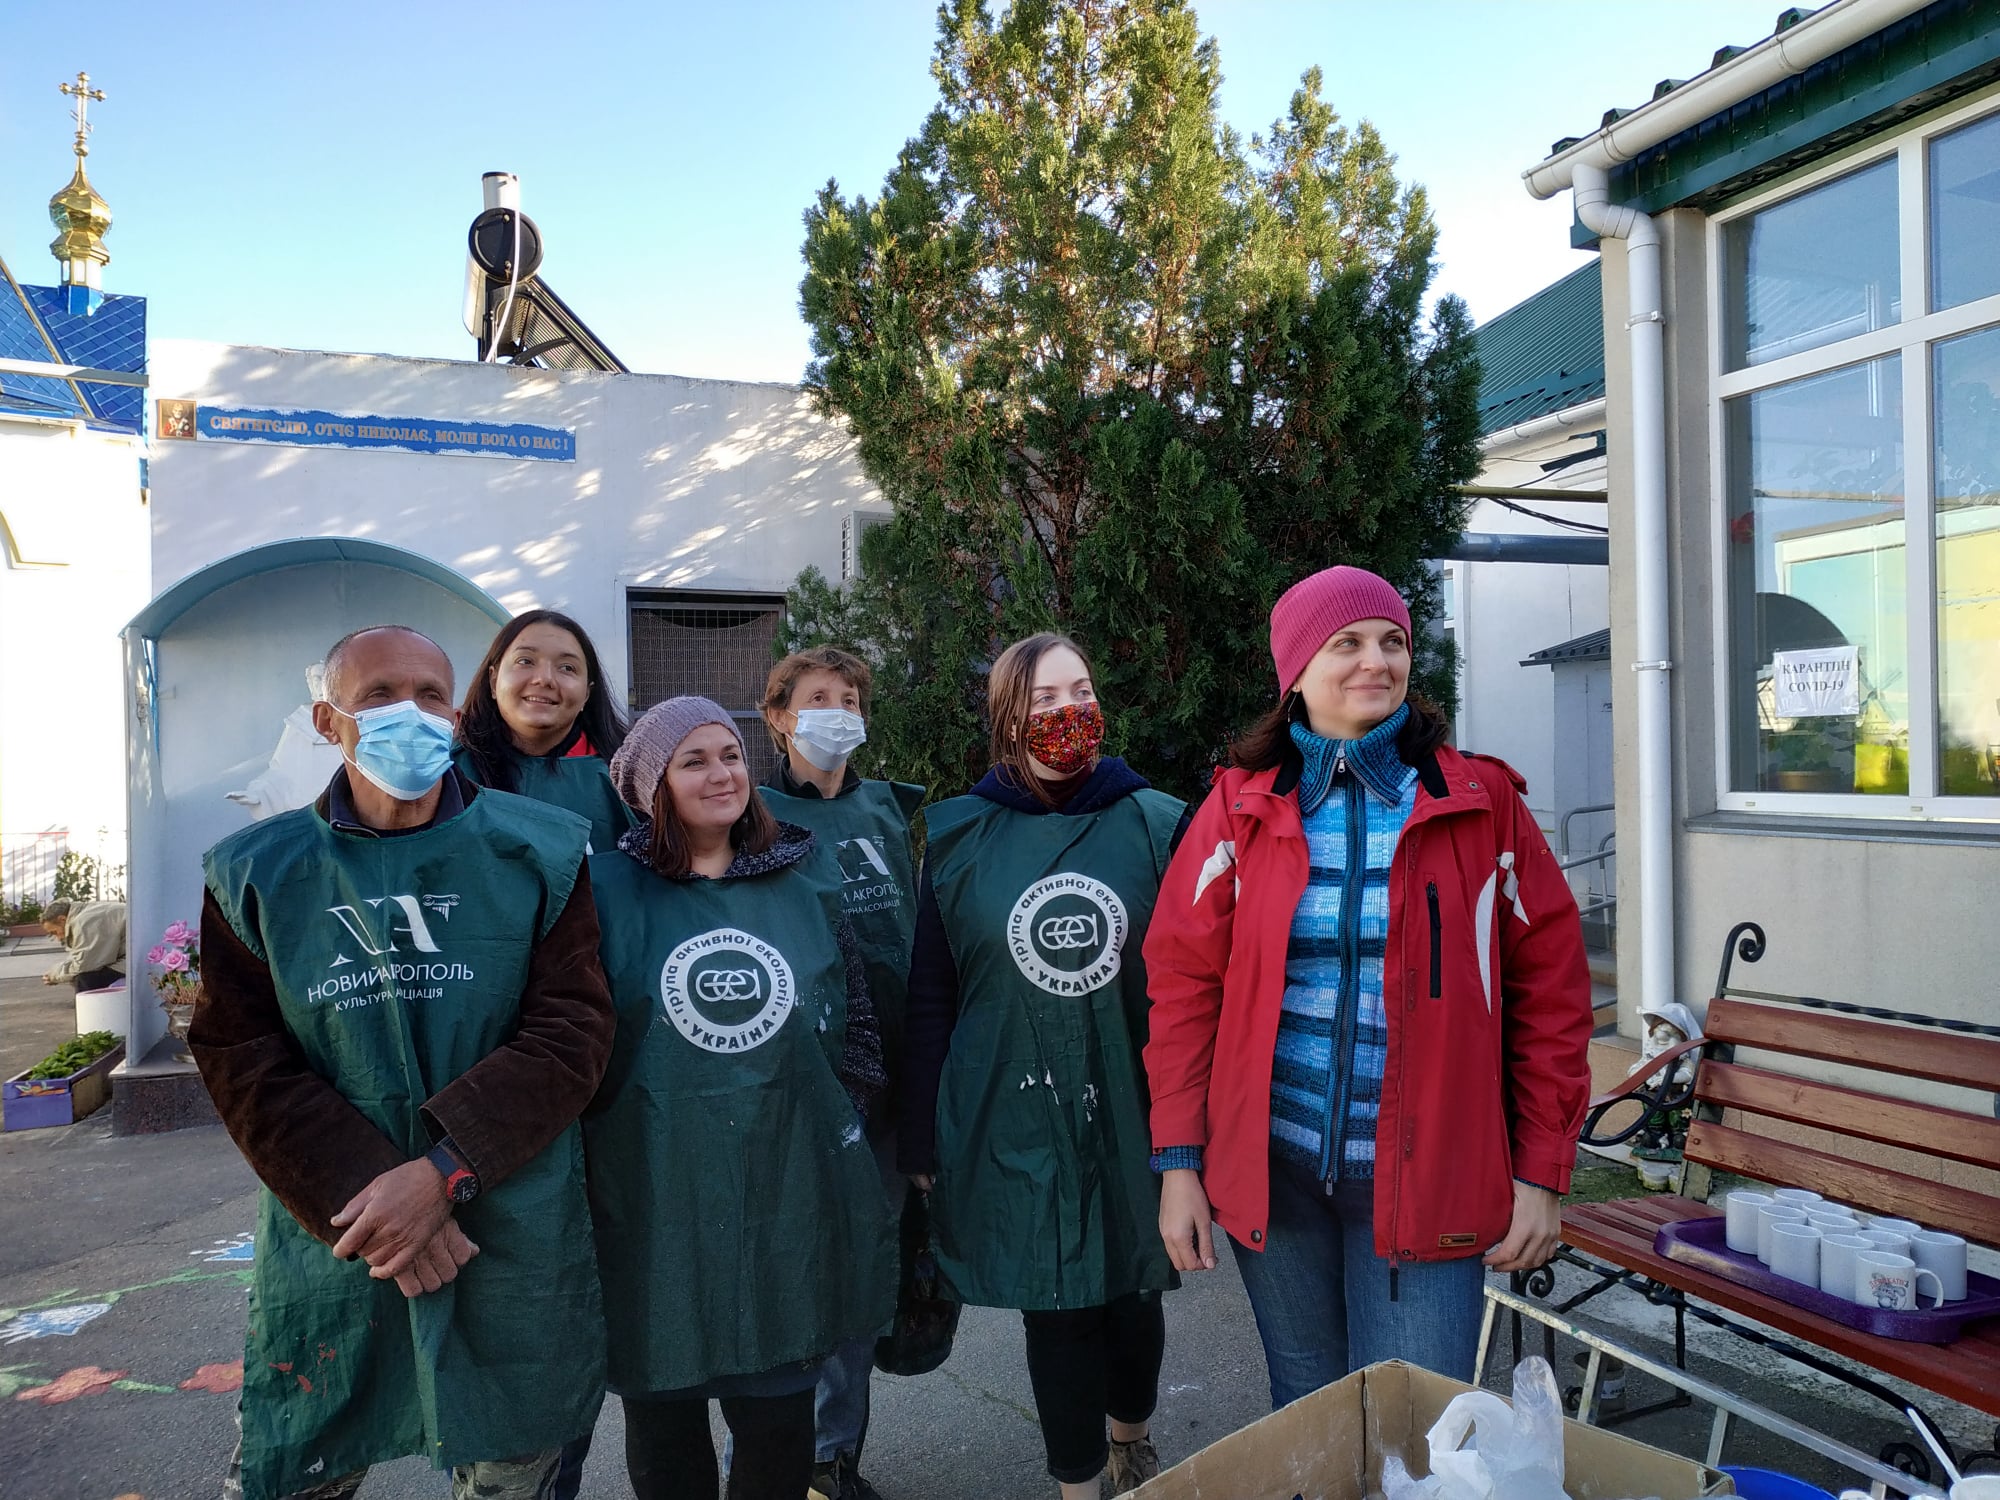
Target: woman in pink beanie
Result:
[1370, 1011]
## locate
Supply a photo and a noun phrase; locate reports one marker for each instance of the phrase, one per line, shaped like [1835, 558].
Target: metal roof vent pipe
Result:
[1645, 330]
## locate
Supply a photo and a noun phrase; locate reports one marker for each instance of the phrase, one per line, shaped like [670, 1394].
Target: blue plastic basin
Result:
[1769, 1484]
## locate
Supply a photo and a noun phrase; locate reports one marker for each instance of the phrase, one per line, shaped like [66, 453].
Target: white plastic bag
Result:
[1515, 1453]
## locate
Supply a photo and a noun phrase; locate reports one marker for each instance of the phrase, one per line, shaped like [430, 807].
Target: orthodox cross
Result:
[83, 93]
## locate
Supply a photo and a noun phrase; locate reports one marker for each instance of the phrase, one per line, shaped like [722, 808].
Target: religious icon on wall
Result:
[176, 419]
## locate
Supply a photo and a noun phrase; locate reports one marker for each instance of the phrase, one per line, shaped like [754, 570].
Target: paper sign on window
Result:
[1820, 684]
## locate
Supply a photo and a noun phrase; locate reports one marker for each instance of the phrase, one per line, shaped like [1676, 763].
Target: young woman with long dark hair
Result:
[539, 719]
[1370, 1011]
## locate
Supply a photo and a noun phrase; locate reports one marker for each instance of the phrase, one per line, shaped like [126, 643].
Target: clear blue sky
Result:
[302, 174]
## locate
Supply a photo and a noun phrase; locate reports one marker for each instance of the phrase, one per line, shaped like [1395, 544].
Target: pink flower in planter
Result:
[155, 955]
[180, 932]
[174, 961]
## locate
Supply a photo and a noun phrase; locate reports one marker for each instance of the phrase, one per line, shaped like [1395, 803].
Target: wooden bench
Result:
[1731, 1098]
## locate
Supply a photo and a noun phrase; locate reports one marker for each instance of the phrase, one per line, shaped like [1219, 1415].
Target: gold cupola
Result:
[80, 215]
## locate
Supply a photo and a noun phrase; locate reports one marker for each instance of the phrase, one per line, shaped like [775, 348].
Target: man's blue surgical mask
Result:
[402, 749]
[827, 736]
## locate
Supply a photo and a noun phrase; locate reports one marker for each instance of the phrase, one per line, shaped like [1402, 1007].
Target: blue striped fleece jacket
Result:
[1326, 1079]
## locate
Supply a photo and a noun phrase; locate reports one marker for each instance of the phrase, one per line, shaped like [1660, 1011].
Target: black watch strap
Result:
[461, 1183]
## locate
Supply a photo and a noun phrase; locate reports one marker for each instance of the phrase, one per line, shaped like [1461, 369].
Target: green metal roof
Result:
[1543, 355]
[1928, 58]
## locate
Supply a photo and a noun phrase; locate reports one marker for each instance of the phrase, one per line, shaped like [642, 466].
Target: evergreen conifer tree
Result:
[1121, 376]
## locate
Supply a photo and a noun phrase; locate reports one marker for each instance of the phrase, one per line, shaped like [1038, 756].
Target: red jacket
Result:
[1485, 985]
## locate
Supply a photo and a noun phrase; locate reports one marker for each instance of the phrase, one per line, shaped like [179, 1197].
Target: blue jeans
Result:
[840, 1402]
[1322, 1299]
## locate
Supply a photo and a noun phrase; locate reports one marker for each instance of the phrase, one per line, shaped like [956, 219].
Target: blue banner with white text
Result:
[326, 429]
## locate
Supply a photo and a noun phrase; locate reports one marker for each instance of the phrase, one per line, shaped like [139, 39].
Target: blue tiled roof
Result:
[21, 338]
[1543, 355]
[113, 338]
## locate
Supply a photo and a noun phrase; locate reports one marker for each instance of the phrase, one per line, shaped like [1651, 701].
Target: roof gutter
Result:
[1789, 53]
[1588, 415]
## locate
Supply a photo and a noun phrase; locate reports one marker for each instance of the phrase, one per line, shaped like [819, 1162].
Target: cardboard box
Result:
[1330, 1446]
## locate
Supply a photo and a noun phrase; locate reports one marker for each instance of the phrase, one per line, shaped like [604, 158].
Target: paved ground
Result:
[142, 1243]
[124, 1262]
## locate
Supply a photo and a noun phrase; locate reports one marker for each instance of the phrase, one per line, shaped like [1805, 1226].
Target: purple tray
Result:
[1703, 1244]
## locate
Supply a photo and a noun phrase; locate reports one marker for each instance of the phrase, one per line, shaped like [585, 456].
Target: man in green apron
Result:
[403, 1014]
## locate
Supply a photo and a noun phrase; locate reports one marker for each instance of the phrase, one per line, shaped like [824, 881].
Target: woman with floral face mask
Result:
[1023, 1102]
[816, 709]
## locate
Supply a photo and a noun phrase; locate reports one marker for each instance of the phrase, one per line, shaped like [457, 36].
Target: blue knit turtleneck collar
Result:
[1373, 758]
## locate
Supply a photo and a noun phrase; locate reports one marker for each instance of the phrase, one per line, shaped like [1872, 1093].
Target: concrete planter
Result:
[104, 1010]
[33, 1105]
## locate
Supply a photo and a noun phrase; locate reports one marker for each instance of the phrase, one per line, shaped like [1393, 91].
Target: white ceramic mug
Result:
[1834, 1223]
[1894, 1226]
[1798, 1197]
[1795, 1252]
[1836, 1263]
[1890, 1240]
[1774, 1213]
[1740, 1210]
[1890, 1281]
[1943, 1255]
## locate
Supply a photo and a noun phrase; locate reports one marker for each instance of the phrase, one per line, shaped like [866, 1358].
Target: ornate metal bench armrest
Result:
[1665, 1096]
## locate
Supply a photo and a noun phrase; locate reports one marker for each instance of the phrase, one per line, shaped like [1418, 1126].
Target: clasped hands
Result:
[401, 1224]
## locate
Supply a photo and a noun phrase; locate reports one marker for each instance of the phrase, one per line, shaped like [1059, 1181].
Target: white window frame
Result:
[1912, 339]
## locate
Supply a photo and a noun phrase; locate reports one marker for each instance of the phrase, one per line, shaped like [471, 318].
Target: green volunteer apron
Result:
[579, 783]
[1044, 1196]
[867, 832]
[741, 1224]
[399, 964]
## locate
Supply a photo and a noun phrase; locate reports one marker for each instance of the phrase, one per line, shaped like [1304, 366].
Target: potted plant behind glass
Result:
[177, 957]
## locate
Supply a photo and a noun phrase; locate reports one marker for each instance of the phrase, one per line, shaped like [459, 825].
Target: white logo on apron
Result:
[1067, 934]
[726, 991]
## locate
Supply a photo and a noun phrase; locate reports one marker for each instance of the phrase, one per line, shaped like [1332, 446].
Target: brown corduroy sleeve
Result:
[508, 1106]
[312, 1148]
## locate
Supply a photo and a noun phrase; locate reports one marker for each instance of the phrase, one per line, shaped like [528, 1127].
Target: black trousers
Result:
[96, 979]
[1089, 1363]
[669, 1454]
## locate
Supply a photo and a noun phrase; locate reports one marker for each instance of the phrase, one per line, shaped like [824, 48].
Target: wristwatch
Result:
[461, 1183]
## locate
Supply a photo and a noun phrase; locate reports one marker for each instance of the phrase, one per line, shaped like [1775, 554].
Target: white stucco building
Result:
[684, 511]
[74, 541]
[1801, 314]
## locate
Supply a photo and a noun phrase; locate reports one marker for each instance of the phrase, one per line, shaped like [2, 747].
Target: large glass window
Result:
[1860, 484]
[1818, 640]
[1965, 397]
[1813, 269]
[1965, 214]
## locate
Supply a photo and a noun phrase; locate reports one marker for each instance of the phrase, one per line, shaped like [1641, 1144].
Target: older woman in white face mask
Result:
[816, 708]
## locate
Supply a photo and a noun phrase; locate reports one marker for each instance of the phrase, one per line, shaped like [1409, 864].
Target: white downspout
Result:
[1645, 328]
